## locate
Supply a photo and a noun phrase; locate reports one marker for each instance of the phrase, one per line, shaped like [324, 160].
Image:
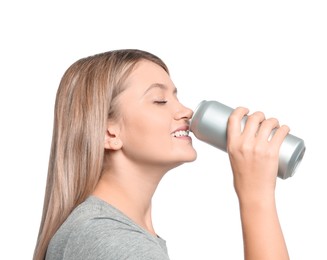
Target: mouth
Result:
[180, 133]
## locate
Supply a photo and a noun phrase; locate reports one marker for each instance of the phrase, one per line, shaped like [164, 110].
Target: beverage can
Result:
[209, 124]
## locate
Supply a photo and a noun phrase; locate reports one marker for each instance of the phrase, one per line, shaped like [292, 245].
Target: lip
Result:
[182, 128]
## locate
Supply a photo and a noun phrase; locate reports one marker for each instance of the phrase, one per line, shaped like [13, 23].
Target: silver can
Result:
[209, 124]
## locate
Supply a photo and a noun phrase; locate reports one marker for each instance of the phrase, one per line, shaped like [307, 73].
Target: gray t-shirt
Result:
[98, 231]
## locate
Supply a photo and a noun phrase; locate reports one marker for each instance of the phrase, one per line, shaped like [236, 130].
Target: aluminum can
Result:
[209, 124]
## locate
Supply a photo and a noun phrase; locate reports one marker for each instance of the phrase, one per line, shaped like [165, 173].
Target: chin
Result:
[191, 157]
[183, 156]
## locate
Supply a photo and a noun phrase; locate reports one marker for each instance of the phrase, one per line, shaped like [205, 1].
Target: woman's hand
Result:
[254, 157]
[253, 153]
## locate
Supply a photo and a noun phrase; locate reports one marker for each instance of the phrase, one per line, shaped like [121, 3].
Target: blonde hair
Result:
[85, 99]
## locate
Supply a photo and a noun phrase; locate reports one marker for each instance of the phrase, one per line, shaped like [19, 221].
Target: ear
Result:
[112, 140]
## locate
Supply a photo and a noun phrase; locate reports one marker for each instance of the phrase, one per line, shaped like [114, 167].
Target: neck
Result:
[130, 190]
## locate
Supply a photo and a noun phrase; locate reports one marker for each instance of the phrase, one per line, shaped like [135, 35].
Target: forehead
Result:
[145, 74]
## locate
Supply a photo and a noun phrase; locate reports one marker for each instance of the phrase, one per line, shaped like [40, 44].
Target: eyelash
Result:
[160, 102]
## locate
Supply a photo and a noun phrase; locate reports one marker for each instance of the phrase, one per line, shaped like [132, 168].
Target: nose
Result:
[183, 112]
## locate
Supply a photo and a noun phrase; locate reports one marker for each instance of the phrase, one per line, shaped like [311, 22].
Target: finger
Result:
[280, 135]
[234, 121]
[266, 129]
[253, 123]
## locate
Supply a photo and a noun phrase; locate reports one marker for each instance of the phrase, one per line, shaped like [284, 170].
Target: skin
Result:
[140, 145]
[140, 149]
[254, 162]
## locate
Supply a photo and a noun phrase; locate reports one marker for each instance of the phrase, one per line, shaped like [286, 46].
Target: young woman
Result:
[118, 128]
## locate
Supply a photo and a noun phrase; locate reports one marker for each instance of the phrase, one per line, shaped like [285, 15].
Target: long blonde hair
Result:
[85, 100]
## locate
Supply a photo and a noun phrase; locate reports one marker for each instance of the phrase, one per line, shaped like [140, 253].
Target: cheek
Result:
[145, 129]
[132, 132]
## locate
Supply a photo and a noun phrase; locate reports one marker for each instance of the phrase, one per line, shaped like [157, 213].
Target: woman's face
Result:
[154, 125]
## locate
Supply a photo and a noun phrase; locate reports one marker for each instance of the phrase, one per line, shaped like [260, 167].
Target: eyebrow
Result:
[160, 86]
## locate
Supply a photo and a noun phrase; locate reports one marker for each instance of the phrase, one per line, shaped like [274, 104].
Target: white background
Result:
[266, 55]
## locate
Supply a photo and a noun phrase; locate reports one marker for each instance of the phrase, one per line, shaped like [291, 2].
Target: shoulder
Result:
[95, 230]
[100, 241]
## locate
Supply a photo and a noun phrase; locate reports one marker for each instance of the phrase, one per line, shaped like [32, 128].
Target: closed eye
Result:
[160, 102]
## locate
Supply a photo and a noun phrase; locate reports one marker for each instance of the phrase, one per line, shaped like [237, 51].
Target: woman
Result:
[118, 128]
